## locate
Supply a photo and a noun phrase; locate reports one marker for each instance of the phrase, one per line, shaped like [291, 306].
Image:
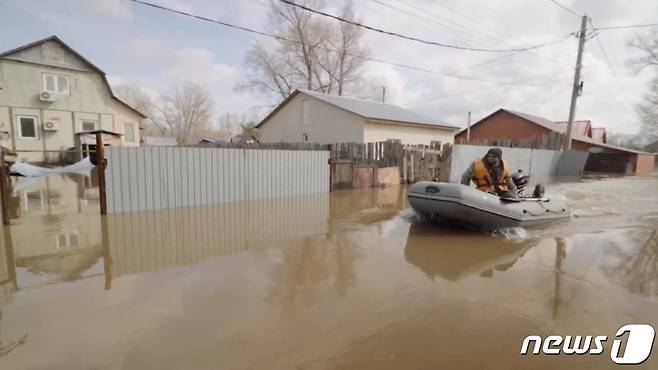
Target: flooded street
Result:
[349, 280]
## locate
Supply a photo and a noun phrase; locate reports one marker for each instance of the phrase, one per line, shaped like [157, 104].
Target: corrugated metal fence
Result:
[152, 178]
[148, 241]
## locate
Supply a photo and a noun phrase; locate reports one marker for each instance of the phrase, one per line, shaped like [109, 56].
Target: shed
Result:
[309, 116]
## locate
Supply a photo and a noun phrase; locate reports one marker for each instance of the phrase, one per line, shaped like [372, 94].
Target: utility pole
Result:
[383, 94]
[566, 145]
[468, 128]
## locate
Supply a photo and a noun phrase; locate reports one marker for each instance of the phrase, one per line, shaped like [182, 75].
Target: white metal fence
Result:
[152, 178]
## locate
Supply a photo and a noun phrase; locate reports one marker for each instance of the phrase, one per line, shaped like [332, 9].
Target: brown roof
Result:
[583, 128]
[599, 134]
[557, 127]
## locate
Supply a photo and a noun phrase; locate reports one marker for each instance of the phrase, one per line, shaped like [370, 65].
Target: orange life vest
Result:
[482, 177]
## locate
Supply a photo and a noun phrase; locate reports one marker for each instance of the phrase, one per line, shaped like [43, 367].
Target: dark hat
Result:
[496, 152]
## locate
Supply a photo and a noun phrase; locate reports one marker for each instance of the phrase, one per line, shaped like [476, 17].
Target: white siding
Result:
[325, 123]
[88, 98]
[407, 134]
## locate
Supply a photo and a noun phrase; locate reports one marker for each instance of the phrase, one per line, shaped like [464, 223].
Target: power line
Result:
[626, 26]
[458, 36]
[492, 29]
[611, 68]
[226, 24]
[287, 39]
[416, 39]
[462, 29]
[463, 69]
[566, 9]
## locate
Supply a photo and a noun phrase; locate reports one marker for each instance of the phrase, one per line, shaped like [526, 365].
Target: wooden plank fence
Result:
[358, 164]
[552, 141]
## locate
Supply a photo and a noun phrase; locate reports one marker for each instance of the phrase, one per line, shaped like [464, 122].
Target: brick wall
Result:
[645, 163]
[503, 125]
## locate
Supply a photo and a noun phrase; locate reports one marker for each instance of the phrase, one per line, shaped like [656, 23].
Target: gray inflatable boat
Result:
[467, 205]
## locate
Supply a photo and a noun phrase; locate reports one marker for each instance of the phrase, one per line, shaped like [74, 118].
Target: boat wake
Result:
[511, 233]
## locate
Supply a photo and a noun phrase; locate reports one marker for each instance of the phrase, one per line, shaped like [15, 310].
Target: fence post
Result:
[4, 189]
[404, 166]
[412, 177]
[100, 167]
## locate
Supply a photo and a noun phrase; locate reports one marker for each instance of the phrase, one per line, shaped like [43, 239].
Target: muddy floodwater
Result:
[350, 280]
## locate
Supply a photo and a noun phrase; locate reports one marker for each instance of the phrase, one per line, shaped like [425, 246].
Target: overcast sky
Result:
[142, 45]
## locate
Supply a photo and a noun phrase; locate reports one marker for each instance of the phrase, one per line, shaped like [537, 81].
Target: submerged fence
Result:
[149, 241]
[152, 178]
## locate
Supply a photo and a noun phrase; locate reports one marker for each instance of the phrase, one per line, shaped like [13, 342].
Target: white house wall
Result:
[326, 124]
[21, 80]
[407, 134]
[123, 115]
[51, 53]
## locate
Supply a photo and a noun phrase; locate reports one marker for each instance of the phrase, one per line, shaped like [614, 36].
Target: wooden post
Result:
[4, 187]
[100, 166]
[107, 258]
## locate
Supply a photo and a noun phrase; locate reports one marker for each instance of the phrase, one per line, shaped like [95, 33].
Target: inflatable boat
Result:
[469, 206]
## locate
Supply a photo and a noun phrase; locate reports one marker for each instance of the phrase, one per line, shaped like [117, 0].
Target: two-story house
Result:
[49, 92]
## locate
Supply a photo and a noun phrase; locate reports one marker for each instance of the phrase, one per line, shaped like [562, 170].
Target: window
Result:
[67, 240]
[129, 132]
[33, 201]
[88, 125]
[306, 112]
[58, 84]
[27, 127]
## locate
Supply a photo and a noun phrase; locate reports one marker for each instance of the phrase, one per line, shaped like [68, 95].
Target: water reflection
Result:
[55, 227]
[455, 255]
[637, 263]
[7, 289]
[346, 280]
[149, 241]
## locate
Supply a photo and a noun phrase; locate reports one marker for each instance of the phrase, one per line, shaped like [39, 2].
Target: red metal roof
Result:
[599, 135]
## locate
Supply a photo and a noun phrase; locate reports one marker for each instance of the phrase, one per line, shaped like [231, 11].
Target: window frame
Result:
[132, 131]
[26, 200]
[83, 121]
[19, 127]
[305, 112]
[55, 76]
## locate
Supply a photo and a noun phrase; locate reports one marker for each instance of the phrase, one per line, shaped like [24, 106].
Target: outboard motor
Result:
[520, 180]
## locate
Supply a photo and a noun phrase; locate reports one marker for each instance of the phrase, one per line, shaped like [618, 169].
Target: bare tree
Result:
[344, 55]
[186, 110]
[648, 109]
[312, 53]
[135, 96]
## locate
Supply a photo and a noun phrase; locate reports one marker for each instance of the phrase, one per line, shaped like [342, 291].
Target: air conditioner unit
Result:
[47, 96]
[50, 126]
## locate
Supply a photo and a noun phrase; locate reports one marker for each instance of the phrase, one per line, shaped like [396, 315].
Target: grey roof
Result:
[377, 111]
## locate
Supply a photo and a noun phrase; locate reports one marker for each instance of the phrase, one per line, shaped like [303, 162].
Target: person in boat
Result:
[491, 174]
